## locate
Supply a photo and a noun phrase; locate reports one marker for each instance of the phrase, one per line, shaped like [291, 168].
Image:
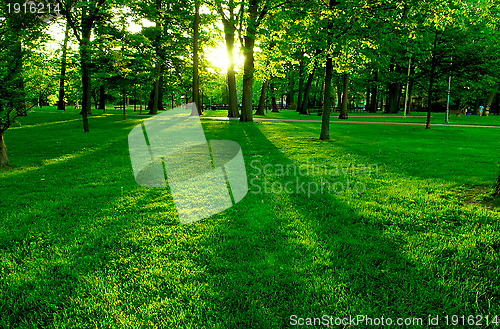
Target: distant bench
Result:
[222, 107]
[351, 109]
[118, 107]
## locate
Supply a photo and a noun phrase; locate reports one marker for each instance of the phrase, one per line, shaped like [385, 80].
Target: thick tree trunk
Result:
[343, 111]
[160, 93]
[305, 98]
[327, 98]
[373, 102]
[248, 66]
[156, 99]
[153, 109]
[95, 98]
[196, 77]
[431, 83]
[262, 99]
[4, 161]
[233, 111]
[393, 98]
[85, 77]
[339, 95]
[102, 98]
[61, 106]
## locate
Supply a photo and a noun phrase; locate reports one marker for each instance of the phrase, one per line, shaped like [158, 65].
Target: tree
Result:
[230, 19]
[196, 77]
[86, 13]
[60, 103]
[18, 34]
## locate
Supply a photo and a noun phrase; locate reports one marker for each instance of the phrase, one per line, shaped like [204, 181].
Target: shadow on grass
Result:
[76, 253]
[285, 254]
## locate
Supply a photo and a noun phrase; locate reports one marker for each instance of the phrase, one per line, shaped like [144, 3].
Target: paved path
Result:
[358, 122]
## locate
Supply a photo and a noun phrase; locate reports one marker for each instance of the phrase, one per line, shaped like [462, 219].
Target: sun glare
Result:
[218, 57]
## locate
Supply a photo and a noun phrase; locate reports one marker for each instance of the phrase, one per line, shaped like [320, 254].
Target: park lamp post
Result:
[446, 120]
[407, 87]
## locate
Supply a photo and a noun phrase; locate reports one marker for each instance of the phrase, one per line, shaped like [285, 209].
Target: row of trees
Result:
[315, 52]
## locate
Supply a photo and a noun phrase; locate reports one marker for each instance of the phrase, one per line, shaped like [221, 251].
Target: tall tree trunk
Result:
[327, 99]
[95, 98]
[102, 97]
[124, 102]
[155, 95]
[248, 66]
[229, 30]
[61, 106]
[140, 99]
[135, 97]
[301, 83]
[196, 77]
[373, 101]
[4, 161]
[317, 91]
[289, 96]
[160, 92]
[233, 111]
[410, 89]
[305, 99]
[343, 112]
[84, 58]
[431, 82]
[394, 89]
[339, 95]
[262, 99]
[273, 97]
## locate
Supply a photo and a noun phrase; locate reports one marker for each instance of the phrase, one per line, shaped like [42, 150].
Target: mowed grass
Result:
[82, 245]
[415, 117]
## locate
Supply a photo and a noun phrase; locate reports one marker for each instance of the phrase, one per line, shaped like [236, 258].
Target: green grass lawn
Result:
[83, 246]
[416, 117]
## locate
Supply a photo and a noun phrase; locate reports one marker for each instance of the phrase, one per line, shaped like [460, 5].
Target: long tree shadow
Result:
[63, 223]
[283, 254]
[93, 248]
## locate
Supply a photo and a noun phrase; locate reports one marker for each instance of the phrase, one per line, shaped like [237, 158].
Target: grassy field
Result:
[416, 117]
[83, 246]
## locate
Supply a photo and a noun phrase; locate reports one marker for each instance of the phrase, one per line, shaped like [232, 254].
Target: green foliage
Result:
[18, 34]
